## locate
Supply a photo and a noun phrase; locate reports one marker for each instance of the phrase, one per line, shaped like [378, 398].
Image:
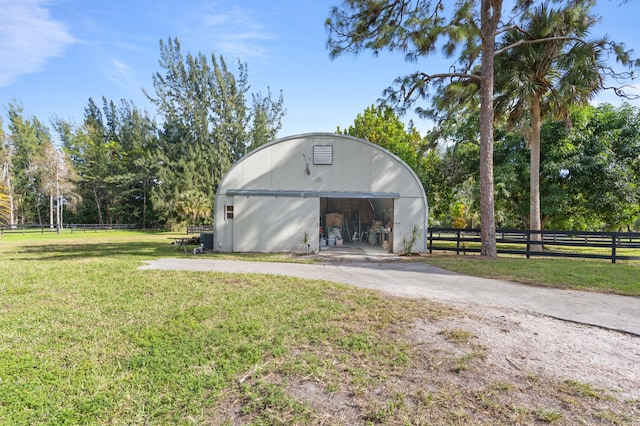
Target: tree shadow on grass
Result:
[141, 250]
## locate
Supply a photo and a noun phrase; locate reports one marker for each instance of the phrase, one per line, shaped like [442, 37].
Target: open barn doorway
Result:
[356, 222]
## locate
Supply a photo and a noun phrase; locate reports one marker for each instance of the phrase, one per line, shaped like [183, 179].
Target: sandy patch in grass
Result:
[521, 343]
[481, 365]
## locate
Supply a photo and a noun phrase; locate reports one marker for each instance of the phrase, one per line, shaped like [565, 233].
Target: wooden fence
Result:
[84, 227]
[199, 228]
[574, 244]
[75, 227]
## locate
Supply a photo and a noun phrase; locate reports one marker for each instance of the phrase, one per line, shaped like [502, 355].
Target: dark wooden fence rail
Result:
[199, 228]
[607, 245]
[73, 227]
[84, 227]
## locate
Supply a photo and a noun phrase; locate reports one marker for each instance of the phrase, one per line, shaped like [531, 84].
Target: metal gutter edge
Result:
[302, 194]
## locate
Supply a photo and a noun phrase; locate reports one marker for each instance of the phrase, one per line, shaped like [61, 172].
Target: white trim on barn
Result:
[290, 188]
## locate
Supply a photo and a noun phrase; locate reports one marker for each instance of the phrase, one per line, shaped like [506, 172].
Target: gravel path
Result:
[419, 280]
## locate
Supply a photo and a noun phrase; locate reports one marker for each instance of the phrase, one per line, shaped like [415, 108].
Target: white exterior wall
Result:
[408, 212]
[359, 167]
[288, 219]
[223, 227]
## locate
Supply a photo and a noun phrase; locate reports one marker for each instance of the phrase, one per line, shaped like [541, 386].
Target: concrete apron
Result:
[356, 251]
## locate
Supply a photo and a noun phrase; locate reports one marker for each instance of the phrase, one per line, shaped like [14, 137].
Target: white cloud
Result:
[28, 38]
[120, 73]
[233, 31]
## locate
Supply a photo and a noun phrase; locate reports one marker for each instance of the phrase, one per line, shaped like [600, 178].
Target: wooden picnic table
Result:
[181, 243]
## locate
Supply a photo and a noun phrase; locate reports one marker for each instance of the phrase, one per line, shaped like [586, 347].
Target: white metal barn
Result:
[315, 190]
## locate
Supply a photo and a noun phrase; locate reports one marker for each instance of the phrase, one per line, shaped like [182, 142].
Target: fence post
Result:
[458, 242]
[430, 241]
[528, 244]
[614, 240]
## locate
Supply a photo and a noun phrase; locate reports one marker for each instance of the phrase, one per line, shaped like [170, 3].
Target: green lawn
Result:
[580, 274]
[87, 338]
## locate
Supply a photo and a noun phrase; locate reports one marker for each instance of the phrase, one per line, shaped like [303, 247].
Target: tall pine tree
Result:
[208, 123]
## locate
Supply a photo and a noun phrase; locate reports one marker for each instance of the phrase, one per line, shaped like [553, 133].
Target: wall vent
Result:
[323, 154]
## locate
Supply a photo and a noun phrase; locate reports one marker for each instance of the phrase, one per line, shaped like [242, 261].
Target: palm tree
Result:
[549, 69]
[193, 205]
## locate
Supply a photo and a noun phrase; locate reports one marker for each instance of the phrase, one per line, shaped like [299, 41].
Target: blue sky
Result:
[55, 54]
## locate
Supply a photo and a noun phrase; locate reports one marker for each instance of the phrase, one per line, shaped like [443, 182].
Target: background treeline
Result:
[123, 165]
[589, 178]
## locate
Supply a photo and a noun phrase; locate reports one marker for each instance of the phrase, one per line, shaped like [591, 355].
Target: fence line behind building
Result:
[573, 244]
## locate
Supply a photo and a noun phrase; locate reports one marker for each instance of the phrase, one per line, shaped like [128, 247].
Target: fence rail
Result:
[593, 245]
[199, 228]
[71, 227]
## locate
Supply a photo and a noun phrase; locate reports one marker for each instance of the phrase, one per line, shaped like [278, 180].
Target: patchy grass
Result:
[548, 416]
[457, 335]
[578, 274]
[464, 362]
[87, 338]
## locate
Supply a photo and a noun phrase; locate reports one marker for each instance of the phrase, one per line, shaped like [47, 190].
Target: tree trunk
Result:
[57, 197]
[144, 205]
[535, 223]
[58, 208]
[39, 210]
[97, 200]
[51, 223]
[12, 215]
[490, 16]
